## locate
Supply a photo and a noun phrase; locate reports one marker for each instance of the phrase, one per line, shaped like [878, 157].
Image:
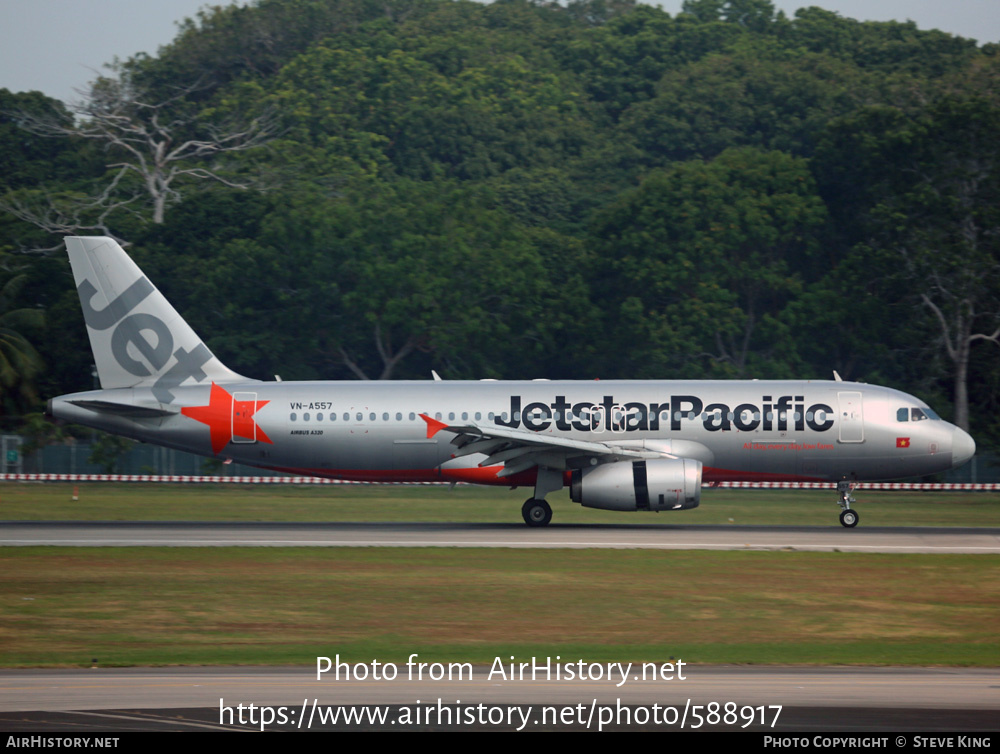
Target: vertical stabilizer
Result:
[138, 338]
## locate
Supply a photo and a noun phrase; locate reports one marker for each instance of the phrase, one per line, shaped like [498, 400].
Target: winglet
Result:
[433, 425]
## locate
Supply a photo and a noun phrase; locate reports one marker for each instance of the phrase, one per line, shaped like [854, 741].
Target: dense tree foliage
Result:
[591, 188]
[703, 257]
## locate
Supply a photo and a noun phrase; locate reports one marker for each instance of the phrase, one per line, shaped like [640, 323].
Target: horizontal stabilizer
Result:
[126, 409]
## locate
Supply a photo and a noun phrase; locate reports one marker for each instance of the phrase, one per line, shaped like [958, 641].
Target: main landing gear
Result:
[848, 516]
[536, 512]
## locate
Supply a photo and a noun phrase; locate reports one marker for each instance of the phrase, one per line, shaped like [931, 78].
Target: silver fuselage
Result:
[740, 430]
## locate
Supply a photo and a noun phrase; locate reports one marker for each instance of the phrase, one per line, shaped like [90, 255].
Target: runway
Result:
[662, 537]
[810, 699]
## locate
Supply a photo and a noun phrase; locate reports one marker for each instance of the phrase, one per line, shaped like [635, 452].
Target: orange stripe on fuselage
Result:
[488, 475]
[474, 475]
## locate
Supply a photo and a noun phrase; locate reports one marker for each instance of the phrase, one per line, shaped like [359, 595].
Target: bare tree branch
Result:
[157, 141]
[68, 214]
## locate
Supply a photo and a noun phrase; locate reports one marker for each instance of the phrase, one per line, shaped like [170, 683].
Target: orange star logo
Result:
[227, 417]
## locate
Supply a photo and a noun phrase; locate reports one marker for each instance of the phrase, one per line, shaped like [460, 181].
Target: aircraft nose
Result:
[963, 447]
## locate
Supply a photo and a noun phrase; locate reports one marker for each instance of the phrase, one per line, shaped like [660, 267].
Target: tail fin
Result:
[138, 338]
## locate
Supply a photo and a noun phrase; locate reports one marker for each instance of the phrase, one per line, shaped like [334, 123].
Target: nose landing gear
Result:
[848, 517]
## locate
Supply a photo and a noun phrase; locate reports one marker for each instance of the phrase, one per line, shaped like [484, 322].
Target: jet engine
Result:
[654, 485]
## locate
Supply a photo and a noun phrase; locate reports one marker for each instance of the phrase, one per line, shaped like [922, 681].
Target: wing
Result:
[519, 449]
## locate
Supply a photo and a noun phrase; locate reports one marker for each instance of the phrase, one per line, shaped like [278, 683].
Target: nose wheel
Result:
[536, 512]
[848, 517]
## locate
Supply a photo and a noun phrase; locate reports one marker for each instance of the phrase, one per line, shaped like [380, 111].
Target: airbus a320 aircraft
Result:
[618, 445]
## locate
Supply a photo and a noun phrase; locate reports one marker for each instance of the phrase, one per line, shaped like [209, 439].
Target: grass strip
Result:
[176, 502]
[163, 606]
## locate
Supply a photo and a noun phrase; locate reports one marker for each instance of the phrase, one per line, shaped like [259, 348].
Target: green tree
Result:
[754, 15]
[20, 363]
[756, 95]
[932, 201]
[890, 47]
[26, 159]
[706, 255]
[107, 451]
[427, 268]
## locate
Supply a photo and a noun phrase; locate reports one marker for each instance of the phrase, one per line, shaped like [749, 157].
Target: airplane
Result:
[623, 445]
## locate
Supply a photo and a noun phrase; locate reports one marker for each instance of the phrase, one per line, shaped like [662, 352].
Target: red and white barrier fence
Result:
[185, 479]
[925, 486]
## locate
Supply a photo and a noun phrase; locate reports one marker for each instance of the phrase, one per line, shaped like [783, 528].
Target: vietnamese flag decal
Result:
[902, 442]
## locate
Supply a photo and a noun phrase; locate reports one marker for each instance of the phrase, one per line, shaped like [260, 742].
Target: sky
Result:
[57, 46]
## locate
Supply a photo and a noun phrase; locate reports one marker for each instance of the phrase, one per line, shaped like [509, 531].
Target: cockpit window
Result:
[916, 414]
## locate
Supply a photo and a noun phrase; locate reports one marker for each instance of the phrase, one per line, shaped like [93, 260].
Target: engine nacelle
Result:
[655, 485]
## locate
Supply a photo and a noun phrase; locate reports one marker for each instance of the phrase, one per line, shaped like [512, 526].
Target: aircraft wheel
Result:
[536, 512]
[849, 518]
